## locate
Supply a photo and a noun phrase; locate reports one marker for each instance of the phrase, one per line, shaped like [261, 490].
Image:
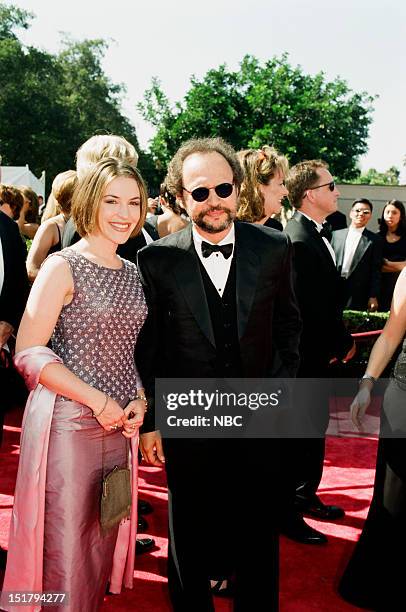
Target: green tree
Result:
[373, 177]
[304, 116]
[50, 104]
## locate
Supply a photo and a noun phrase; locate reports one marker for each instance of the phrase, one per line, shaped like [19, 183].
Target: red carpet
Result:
[308, 574]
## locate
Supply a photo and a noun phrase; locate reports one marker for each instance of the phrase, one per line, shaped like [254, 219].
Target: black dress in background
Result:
[394, 251]
[375, 576]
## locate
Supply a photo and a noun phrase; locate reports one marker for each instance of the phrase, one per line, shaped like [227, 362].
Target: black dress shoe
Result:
[315, 508]
[142, 524]
[296, 529]
[143, 545]
[144, 507]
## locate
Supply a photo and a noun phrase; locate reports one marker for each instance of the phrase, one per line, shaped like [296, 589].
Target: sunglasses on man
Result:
[200, 194]
[331, 185]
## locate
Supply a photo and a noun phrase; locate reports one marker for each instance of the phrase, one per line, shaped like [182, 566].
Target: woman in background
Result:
[263, 188]
[174, 216]
[28, 221]
[393, 231]
[48, 238]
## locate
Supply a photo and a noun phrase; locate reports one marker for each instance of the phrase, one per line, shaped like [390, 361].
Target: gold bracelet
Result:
[104, 406]
[144, 399]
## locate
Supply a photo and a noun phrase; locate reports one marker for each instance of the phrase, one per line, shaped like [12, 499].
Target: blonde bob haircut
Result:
[259, 167]
[90, 190]
[102, 146]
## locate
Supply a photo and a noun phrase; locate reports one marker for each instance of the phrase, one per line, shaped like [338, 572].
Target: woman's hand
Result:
[112, 416]
[133, 418]
[360, 404]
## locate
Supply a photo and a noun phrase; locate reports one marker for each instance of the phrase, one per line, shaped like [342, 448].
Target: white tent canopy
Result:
[22, 175]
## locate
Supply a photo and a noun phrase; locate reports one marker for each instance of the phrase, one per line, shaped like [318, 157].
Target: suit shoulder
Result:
[164, 247]
[262, 233]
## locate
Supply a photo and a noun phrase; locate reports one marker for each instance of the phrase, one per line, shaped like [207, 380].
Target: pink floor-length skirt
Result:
[78, 558]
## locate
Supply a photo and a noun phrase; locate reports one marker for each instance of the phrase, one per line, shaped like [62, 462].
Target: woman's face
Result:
[391, 216]
[273, 194]
[119, 210]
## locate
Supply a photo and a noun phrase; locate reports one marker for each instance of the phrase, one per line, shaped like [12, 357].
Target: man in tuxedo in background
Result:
[359, 259]
[13, 297]
[221, 304]
[312, 192]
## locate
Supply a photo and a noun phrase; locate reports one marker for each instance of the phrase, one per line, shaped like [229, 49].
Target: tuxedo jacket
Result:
[364, 278]
[178, 340]
[14, 293]
[318, 290]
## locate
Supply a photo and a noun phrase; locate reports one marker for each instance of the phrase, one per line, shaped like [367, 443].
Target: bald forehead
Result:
[207, 166]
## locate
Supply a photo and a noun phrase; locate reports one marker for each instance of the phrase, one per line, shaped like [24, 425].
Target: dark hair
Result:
[170, 201]
[362, 201]
[174, 178]
[31, 215]
[401, 228]
[13, 197]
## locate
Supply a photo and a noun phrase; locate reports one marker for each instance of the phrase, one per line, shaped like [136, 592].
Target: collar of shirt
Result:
[358, 230]
[216, 266]
[319, 227]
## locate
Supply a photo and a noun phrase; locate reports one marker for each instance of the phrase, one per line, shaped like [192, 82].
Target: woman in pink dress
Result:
[86, 404]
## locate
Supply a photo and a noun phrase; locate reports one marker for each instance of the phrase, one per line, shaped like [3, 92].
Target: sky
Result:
[361, 41]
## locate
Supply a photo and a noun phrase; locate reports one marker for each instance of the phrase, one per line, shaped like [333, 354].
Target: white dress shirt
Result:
[351, 243]
[216, 265]
[319, 227]
[147, 237]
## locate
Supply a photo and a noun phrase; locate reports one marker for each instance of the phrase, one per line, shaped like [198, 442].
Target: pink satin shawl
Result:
[26, 539]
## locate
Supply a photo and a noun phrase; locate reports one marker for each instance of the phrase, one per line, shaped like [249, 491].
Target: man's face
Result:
[360, 215]
[214, 215]
[323, 199]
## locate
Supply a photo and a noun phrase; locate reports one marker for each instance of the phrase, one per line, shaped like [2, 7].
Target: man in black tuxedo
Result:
[13, 294]
[359, 259]
[312, 192]
[221, 304]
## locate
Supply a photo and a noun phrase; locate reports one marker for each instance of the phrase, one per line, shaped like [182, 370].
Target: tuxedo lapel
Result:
[316, 240]
[188, 275]
[247, 272]
[339, 247]
[359, 252]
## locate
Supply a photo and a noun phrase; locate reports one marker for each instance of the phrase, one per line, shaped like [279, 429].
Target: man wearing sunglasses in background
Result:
[359, 259]
[318, 288]
[221, 305]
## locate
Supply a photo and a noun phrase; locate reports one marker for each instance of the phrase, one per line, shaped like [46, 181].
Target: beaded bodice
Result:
[96, 332]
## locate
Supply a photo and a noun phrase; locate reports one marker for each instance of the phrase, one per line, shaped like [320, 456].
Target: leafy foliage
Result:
[373, 177]
[50, 104]
[304, 116]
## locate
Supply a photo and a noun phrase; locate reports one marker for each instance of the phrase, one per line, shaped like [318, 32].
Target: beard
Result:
[214, 227]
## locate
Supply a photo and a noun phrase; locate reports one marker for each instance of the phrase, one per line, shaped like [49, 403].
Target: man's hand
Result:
[350, 353]
[151, 448]
[372, 304]
[5, 332]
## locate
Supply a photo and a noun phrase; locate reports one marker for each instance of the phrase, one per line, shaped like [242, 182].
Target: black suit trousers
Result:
[211, 487]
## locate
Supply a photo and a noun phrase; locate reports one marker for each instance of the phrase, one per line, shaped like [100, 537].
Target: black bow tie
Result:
[326, 231]
[225, 249]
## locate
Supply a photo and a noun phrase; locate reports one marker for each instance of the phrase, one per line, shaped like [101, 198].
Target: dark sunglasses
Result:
[331, 186]
[200, 194]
